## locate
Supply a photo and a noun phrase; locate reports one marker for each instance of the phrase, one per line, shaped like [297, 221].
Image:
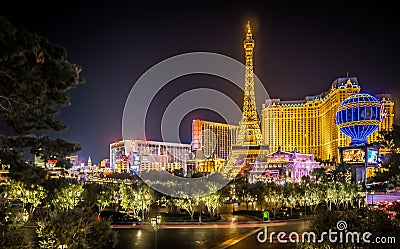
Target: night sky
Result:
[300, 50]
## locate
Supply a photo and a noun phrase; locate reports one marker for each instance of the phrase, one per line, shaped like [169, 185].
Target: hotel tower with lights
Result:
[306, 126]
[309, 125]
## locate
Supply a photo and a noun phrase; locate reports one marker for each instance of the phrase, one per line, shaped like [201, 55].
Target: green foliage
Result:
[106, 196]
[136, 197]
[75, 228]
[336, 195]
[130, 199]
[320, 175]
[342, 173]
[292, 193]
[58, 149]
[313, 195]
[12, 233]
[186, 203]
[274, 197]
[100, 195]
[343, 194]
[15, 237]
[12, 215]
[31, 196]
[45, 240]
[68, 197]
[35, 77]
[359, 220]
[226, 192]
[248, 193]
[213, 200]
[51, 186]
[390, 140]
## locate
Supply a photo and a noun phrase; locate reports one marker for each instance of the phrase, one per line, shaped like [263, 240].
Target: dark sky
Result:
[300, 49]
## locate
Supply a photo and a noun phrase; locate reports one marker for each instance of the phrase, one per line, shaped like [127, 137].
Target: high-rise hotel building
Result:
[144, 155]
[214, 139]
[309, 124]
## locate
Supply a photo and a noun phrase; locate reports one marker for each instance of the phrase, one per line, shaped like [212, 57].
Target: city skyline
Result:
[307, 46]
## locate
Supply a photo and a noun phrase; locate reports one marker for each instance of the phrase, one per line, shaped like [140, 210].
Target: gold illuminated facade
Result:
[387, 123]
[122, 164]
[309, 124]
[4, 174]
[214, 139]
[204, 167]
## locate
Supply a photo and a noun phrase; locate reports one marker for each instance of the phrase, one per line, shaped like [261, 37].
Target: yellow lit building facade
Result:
[309, 124]
[204, 166]
[214, 139]
[4, 173]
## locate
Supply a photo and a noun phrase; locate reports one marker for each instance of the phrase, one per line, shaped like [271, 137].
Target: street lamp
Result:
[201, 209]
[155, 223]
[305, 206]
[200, 215]
[25, 216]
[142, 209]
[330, 202]
[372, 194]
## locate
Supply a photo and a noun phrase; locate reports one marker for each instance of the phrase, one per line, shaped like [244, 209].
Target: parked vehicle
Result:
[120, 218]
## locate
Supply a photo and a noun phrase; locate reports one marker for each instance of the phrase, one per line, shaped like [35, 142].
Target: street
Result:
[378, 196]
[237, 234]
[287, 227]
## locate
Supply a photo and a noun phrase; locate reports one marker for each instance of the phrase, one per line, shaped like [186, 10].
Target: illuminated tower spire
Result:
[249, 142]
[249, 131]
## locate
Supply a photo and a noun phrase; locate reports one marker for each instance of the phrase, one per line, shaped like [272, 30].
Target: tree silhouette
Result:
[35, 77]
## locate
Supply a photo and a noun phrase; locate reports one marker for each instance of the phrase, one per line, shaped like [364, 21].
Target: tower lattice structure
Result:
[249, 143]
[249, 125]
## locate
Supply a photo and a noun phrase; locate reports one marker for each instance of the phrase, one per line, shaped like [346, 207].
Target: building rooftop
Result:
[339, 83]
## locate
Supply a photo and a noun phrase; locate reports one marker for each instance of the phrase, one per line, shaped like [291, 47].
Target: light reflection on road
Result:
[199, 236]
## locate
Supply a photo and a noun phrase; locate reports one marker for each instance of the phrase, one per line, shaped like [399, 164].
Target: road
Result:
[235, 232]
[389, 197]
[287, 227]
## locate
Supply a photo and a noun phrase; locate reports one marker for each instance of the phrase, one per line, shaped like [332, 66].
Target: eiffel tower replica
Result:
[249, 143]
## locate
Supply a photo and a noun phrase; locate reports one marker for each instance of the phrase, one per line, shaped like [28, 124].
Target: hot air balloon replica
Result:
[358, 117]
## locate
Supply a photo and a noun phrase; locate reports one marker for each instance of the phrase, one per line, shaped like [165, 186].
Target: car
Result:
[120, 218]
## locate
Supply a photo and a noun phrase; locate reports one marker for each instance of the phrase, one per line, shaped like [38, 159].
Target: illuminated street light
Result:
[372, 194]
[201, 200]
[155, 223]
[305, 206]
[25, 216]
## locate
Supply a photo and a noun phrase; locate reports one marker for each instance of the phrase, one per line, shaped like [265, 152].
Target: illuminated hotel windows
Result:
[152, 155]
[309, 126]
[215, 139]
